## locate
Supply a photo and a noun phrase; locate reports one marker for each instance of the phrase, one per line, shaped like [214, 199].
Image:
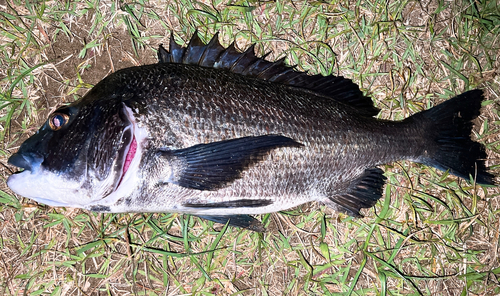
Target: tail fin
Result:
[449, 125]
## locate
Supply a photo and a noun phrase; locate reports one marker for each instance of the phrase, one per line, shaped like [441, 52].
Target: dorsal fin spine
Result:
[186, 49]
[211, 43]
[175, 49]
[235, 64]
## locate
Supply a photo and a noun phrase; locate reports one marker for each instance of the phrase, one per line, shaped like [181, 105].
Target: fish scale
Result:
[224, 135]
[305, 130]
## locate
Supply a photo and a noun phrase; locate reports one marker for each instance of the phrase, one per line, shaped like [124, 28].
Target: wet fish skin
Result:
[186, 122]
[219, 144]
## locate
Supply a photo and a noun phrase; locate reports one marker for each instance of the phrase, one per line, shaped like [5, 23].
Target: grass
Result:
[430, 234]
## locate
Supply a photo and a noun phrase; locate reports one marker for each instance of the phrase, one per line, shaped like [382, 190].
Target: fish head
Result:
[80, 155]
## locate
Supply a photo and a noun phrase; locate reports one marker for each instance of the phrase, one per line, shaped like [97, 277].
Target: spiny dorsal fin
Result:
[214, 55]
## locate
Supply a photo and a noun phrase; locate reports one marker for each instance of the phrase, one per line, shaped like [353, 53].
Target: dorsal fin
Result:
[214, 55]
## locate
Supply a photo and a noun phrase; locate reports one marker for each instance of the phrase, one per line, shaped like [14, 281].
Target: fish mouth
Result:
[128, 152]
[125, 155]
[127, 165]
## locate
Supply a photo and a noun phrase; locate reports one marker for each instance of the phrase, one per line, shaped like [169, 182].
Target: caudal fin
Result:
[449, 127]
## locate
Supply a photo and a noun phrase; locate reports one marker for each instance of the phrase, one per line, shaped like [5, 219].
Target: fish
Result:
[226, 135]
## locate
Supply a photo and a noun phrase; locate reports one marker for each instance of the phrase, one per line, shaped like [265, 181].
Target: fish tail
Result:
[447, 135]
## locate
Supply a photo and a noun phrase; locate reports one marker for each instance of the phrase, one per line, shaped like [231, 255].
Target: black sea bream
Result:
[223, 135]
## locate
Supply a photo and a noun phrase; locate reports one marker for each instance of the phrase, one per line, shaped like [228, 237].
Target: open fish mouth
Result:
[127, 164]
[129, 157]
[128, 152]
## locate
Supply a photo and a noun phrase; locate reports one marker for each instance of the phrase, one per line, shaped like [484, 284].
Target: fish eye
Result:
[58, 120]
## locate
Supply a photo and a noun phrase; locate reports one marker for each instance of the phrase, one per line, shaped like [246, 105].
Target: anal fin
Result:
[362, 192]
[243, 221]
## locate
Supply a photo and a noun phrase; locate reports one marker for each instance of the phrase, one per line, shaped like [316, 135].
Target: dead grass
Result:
[431, 234]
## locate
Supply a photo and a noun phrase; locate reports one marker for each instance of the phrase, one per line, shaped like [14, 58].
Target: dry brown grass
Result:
[431, 234]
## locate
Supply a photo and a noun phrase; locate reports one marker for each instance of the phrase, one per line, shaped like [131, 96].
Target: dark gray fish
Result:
[223, 135]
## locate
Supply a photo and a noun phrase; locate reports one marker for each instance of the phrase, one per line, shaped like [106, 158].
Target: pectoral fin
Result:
[243, 221]
[362, 192]
[215, 165]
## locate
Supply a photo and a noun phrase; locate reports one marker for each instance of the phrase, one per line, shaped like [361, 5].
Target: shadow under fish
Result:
[224, 135]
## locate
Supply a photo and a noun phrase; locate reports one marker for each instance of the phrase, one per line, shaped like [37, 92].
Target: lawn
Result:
[431, 233]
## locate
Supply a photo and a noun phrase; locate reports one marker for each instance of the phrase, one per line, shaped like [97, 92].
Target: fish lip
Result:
[30, 161]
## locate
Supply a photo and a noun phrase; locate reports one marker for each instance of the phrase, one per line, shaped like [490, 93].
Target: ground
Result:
[431, 233]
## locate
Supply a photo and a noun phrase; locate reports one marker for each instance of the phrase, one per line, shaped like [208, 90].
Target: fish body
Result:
[221, 134]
